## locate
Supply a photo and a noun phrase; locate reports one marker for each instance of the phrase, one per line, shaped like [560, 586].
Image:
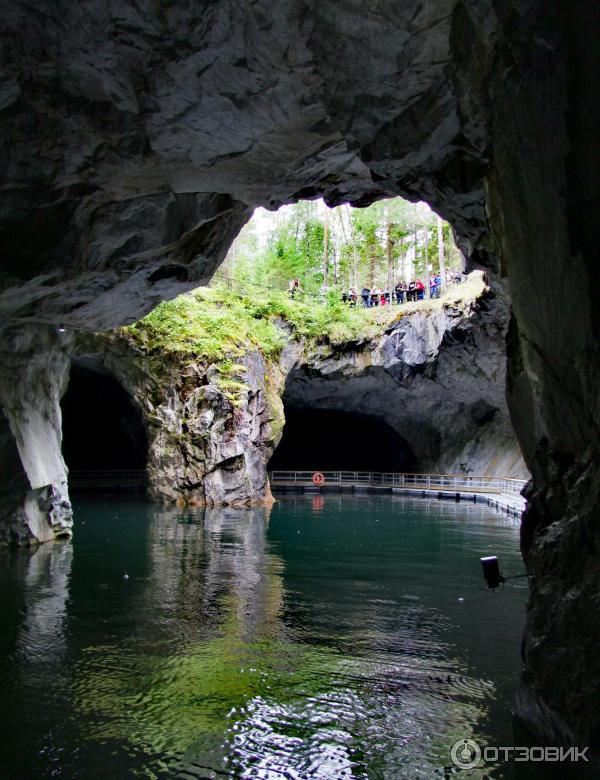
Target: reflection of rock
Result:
[42, 633]
[192, 566]
[254, 572]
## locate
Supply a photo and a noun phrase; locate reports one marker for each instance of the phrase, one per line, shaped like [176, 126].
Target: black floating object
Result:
[491, 571]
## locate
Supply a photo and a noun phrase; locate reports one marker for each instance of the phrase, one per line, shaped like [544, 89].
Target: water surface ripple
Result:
[330, 637]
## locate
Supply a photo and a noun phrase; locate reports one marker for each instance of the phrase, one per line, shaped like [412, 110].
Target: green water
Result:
[332, 637]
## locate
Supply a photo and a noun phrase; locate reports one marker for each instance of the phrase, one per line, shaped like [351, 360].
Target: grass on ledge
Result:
[217, 324]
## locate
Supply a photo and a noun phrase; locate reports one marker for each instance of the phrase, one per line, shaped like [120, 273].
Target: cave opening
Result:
[332, 440]
[103, 431]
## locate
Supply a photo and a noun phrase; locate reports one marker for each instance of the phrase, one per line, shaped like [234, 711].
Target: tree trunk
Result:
[336, 268]
[344, 242]
[413, 267]
[390, 267]
[354, 266]
[372, 262]
[441, 257]
[231, 274]
[326, 249]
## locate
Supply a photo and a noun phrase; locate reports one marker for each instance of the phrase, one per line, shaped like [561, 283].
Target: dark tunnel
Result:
[102, 429]
[339, 441]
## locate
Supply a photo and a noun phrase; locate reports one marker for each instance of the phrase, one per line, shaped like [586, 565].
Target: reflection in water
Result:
[318, 503]
[345, 637]
[41, 637]
[218, 548]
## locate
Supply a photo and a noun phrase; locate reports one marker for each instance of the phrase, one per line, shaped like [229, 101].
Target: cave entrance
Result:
[325, 440]
[104, 439]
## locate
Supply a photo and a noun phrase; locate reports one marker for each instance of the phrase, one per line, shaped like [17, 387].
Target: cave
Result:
[102, 429]
[321, 440]
[153, 156]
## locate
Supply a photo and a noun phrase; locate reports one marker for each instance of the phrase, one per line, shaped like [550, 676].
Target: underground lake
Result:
[327, 637]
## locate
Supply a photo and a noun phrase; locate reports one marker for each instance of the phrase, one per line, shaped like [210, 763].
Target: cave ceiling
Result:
[138, 137]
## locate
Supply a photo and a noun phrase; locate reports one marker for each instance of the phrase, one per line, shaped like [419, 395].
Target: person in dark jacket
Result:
[399, 291]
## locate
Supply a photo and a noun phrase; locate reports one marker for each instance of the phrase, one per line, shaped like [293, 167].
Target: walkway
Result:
[107, 480]
[499, 493]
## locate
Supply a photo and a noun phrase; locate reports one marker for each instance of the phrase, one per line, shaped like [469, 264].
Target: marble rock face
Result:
[136, 137]
[34, 500]
[206, 445]
[436, 378]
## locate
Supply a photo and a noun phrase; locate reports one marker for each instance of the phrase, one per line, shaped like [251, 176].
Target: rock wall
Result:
[544, 207]
[137, 146]
[34, 500]
[437, 377]
[205, 444]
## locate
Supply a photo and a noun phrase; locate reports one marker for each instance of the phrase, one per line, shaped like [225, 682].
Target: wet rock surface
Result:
[206, 445]
[34, 499]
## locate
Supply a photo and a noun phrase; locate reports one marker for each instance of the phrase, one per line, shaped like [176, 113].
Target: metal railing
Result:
[107, 478]
[451, 482]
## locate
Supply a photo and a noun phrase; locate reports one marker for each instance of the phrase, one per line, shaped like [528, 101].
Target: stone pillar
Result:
[34, 499]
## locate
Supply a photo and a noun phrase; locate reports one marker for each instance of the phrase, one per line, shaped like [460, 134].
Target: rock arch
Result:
[317, 439]
[142, 141]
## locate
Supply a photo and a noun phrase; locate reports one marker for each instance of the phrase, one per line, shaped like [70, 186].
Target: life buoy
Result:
[318, 478]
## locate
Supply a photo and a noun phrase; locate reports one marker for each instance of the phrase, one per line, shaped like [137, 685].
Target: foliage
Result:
[387, 241]
[218, 324]
[213, 324]
[248, 306]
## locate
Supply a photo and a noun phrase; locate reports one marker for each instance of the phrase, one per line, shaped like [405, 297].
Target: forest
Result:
[330, 250]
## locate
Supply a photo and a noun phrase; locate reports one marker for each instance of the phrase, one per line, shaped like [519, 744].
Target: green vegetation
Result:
[209, 323]
[218, 325]
[248, 307]
[335, 249]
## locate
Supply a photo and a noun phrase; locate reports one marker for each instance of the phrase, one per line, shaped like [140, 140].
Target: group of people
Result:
[413, 291]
